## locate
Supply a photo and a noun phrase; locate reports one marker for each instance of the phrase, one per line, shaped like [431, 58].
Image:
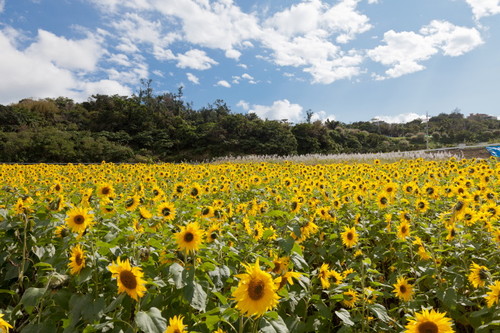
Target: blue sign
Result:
[494, 150]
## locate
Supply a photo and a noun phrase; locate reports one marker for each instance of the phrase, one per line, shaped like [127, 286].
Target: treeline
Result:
[148, 127]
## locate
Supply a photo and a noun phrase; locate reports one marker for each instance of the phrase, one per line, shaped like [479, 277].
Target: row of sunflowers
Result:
[410, 246]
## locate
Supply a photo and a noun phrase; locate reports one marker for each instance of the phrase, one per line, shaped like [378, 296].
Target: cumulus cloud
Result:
[223, 83]
[482, 8]
[72, 54]
[404, 51]
[322, 116]
[193, 78]
[401, 118]
[280, 109]
[44, 74]
[195, 59]
[244, 105]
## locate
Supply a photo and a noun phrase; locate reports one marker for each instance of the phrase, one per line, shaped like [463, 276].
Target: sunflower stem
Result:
[241, 326]
[23, 260]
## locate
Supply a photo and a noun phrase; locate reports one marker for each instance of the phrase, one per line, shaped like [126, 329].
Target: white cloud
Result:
[233, 54]
[71, 54]
[42, 75]
[2, 5]
[400, 118]
[193, 78]
[482, 8]
[244, 105]
[322, 116]
[281, 109]
[195, 59]
[247, 76]
[404, 51]
[453, 40]
[223, 83]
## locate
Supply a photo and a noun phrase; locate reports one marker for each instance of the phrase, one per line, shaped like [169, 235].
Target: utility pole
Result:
[427, 129]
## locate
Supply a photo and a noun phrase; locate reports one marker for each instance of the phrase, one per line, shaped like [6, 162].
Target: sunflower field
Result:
[406, 246]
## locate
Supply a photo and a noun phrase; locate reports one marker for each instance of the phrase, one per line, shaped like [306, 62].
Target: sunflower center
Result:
[78, 259]
[129, 203]
[421, 205]
[403, 230]
[194, 192]
[402, 289]
[427, 327]
[483, 274]
[350, 236]
[105, 190]
[294, 205]
[79, 219]
[213, 235]
[277, 267]
[256, 289]
[165, 212]
[128, 279]
[188, 237]
[205, 211]
[383, 200]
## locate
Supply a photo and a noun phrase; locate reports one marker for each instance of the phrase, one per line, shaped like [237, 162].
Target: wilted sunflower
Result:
[403, 289]
[256, 291]
[128, 278]
[166, 210]
[78, 219]
[478, 275]
[429, 322]
[349, 237]
[493, 295]
[4, 326]
[190, 237]
[175, 325]
[77, 260]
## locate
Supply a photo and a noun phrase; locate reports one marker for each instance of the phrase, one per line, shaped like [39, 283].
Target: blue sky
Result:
[349, 60]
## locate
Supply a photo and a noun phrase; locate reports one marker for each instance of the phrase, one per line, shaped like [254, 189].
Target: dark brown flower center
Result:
[256, 289]
[105, 190]
[403, 230]
[421, 205]
[188, 237]
[165, 211]
[402, 289]
[128, 279]
[427, 327]
[78, 259]
[483, 274]
[383, 200]
[79, 219]
[194, 192]
[350, 236]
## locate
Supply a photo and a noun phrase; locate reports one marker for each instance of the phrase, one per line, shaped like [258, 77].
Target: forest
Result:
[149, 127]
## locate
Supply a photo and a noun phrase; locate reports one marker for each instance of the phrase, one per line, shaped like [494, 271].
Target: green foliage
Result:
[149, 127]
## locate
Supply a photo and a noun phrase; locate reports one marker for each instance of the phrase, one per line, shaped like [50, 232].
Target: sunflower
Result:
[256, 291]
[166, 210]
[190, 237]
[78, 219]
[382, 200]
[429, 322]
[370, 295]
[421, 205]
[280, 264]
[131, 203]
[350, 298]
[61, 231]
[175, 325]
[493, 295]
[324, 276]
[144, 213]
[403, 230]
[478, 275]
[257, 231]
[105, 191]
[128, 278]
[403, 289]
[349, 237]
[213, 233]
[195, 191]
[4, 326]
[77, 260]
